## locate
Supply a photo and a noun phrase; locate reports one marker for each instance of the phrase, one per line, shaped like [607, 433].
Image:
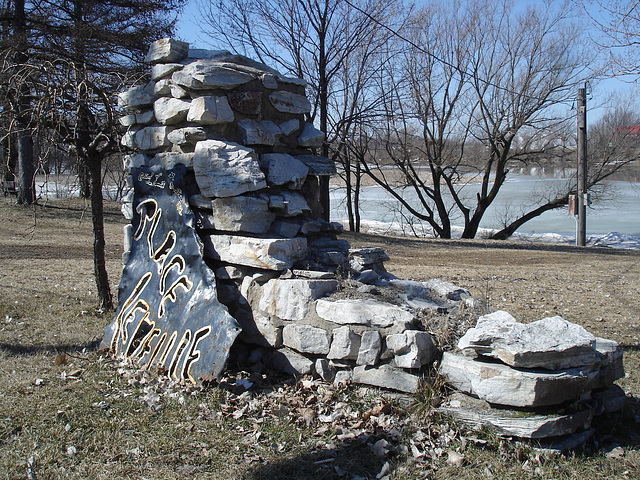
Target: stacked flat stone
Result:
[253, 184]
[548, 363]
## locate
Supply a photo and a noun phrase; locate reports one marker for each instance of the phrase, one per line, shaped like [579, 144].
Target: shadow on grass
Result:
[24, 350]
[352, 458]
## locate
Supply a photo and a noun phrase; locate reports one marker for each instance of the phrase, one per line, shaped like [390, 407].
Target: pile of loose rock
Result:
[251, 179]
[542, 380]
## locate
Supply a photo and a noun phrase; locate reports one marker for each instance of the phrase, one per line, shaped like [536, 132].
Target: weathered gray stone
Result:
[386, 376]
[210, 110]
[127, 120]
[248, 103]
[178, 92]
[412, 348]
[145, 118]
[136, 160]
[288, 102]
[311, 137]
[318, 165]
[362, 312]
[342, 377]
[314, 274]
[200, 201]
[162, 70]
[206, 75]
[254, 132]
[170, 111]
[369, 258]
[167, 50]
[242, 214]
[306, 339]
[152, 138]
[325, 370]
[551, 343]
[288, 361]
[259, 330]
[266, 253]
[611, 362]
[447, 290]
[500, 384]
[168, 160]
[162, 87]
[284, 169]
[136, 97]
[187, 135]
[290, 126]
[513, 423]
[345, 344]
[269, 81]
[285, 228]
[289, 299]
[370, 347]
[294, 204]
[226, 169]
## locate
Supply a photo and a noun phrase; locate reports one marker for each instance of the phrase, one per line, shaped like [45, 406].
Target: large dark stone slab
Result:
[168, 313]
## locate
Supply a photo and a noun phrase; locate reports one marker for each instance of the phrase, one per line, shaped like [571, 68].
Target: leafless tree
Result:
[333, 44]
[482, 85]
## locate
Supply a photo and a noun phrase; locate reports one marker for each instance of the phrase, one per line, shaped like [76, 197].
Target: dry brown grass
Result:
[83, 416]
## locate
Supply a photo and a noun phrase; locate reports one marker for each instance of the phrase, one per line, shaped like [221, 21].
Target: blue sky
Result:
[190, 31]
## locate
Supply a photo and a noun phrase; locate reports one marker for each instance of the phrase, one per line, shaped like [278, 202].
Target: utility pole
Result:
[581, 233]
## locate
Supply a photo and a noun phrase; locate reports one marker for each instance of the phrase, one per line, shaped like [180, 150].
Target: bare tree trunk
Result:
[25, 171]
[97, 218]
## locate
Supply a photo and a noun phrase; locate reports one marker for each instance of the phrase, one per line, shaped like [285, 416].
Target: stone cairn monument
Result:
[227, 250]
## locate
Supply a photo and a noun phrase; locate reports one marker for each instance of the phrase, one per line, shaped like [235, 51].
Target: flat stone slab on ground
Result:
[478, 413]
[386, 376]
[500, 384]
[551, 343]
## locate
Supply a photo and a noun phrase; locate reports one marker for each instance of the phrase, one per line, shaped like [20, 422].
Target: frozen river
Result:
[618, 211]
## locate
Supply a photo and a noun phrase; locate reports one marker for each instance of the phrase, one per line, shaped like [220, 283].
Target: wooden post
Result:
[581, 233]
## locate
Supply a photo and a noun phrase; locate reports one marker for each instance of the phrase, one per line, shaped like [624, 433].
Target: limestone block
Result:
[269, 81]
[295, 204]
[178, 92]
[136, 160]
[145, 118]
[551, 343]
[288, 361]
[325, 370]
[611, 363]
[166, 50]
[288, 102]
[127, 120]
[299, 82]
[210, 110]
[248, 103]
[152, 138]
[371, 313]
[207, 75]
[500, 384]
[258, 329]
[170, 111]
[386, 376]
[258, 133]
[162, 87]
[284, 169]
[370, 347]
[345, 344]
[226, 169]
[162, 70]
[361, 259]
[187, 135]
[306, 339]
[168, 160]
[136, 97]
[447, 290]
[311, 137]
[265, 253]
[478, 413]
[412, 348]
[284, 228]
[290, 126]
[289, 299]
[242, 214]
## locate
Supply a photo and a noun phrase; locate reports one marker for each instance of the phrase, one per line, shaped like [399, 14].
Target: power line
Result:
[445, 62]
